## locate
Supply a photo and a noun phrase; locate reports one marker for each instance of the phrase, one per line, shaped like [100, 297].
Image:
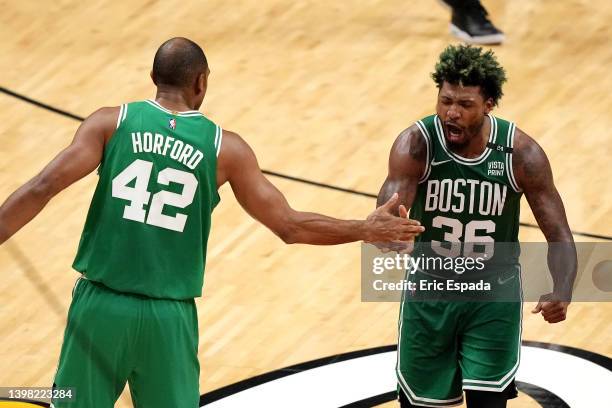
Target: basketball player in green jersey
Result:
[462, 173]
[143, 247]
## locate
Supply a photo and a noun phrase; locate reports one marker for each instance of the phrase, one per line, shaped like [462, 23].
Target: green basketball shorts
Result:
[445, 347]
[112, 338]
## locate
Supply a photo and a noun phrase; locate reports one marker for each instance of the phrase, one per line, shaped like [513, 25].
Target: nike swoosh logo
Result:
[435, 163]
[504, 281]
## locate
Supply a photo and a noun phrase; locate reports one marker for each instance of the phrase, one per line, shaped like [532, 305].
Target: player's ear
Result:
[153, 77]
[201, 83]
[489, 104]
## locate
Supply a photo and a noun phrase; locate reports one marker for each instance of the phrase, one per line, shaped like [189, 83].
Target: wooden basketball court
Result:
[320, 90]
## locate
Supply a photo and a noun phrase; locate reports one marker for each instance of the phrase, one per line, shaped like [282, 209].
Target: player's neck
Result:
[173, 100]
[477, 143]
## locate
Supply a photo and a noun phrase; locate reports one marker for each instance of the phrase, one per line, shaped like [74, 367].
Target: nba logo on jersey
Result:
[172, 123]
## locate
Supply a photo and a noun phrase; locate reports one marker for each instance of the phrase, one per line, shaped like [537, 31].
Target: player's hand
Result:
[401, 247]
[553, 310]
[388, 230]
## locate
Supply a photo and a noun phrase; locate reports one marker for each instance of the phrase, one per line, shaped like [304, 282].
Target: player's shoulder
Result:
[106, 111]
[420, 132]
[412, 139]
[232, 137]
[105, 117]
[525, 146]
[410, 152]
[529, 161]
[234, 157]
[234, 147]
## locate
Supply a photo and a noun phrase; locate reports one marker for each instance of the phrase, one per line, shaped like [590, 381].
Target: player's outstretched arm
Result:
[407, 163]
[534, 176]
[71, 164]
[263, 201]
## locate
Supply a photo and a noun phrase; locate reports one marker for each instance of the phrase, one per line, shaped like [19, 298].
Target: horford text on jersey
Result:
[150, 142]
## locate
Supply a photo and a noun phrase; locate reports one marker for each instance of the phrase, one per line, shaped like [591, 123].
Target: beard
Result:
[458, 136]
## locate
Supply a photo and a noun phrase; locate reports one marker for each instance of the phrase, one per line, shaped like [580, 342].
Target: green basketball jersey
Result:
[467, 205]
[149, 220]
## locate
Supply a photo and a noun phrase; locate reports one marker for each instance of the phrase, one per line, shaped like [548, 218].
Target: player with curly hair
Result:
[462, 173]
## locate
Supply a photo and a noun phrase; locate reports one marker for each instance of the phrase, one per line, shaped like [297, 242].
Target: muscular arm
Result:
[263, 201]
[407, 162]
[71, 164]
[534, 177]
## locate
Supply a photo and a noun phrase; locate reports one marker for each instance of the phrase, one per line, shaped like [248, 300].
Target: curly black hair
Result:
[471, 66]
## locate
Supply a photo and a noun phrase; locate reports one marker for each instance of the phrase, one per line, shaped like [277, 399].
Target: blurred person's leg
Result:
[470, 23]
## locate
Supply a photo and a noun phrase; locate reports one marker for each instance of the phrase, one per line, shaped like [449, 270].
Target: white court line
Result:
[579, 382]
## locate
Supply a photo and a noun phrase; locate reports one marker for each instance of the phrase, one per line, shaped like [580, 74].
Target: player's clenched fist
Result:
[553, 310]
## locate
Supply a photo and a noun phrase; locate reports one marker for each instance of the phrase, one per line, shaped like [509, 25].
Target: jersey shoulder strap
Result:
[505, 146]
[427, 129]
[129, 108]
